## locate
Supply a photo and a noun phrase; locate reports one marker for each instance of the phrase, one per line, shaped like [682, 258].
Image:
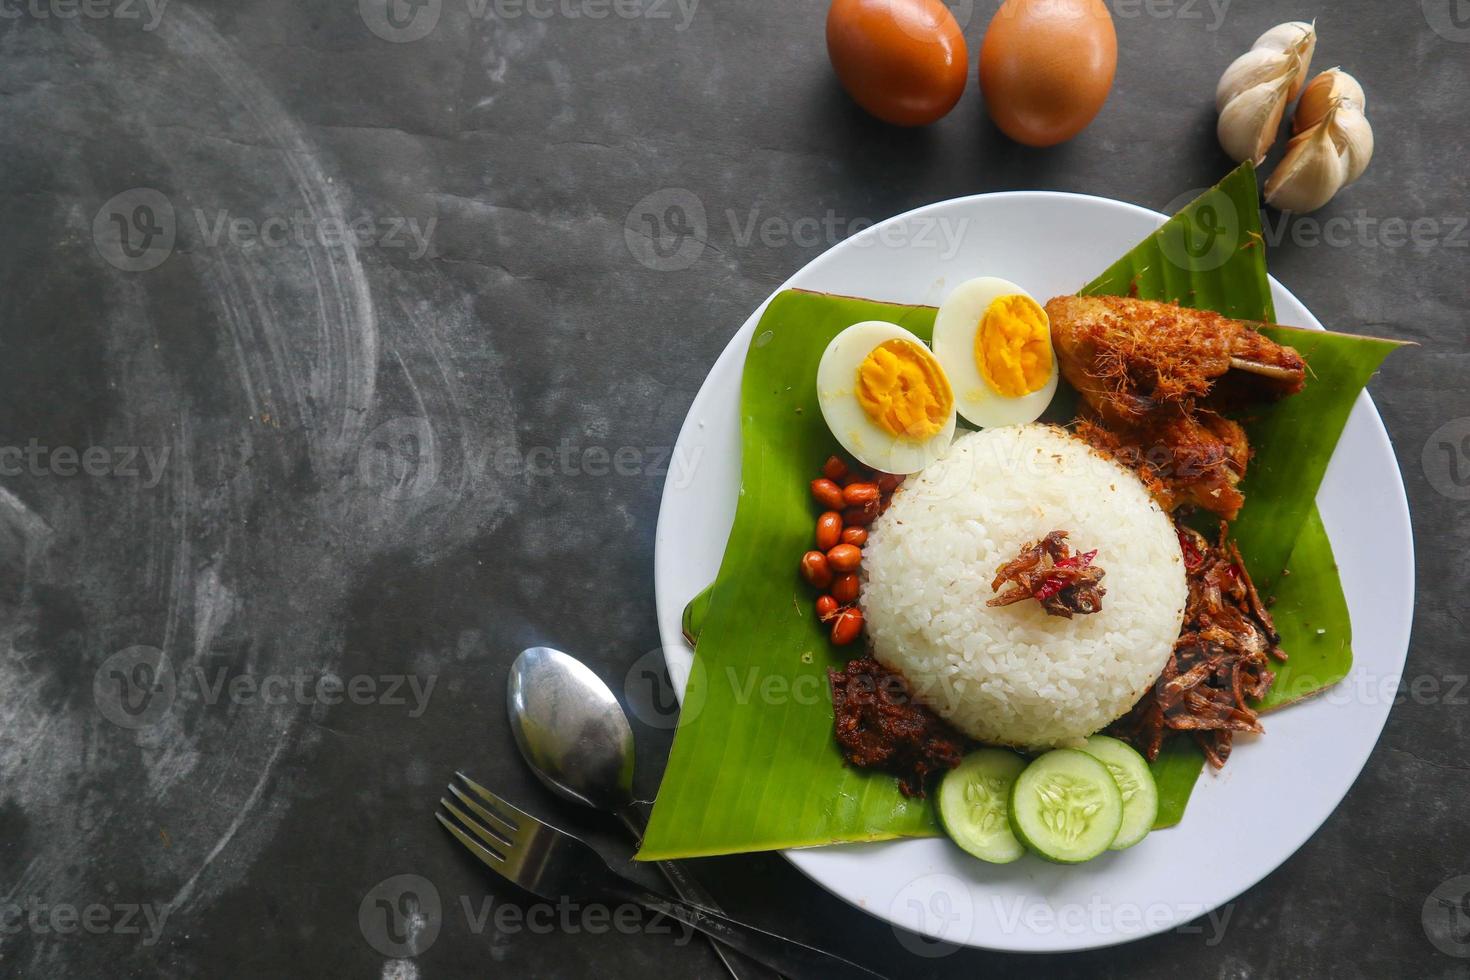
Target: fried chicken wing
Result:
[1183, 457]
[1153, 377]
[1131, 357]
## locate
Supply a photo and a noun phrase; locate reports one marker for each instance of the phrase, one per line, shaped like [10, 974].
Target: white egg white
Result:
[869, 443]
[955, 326]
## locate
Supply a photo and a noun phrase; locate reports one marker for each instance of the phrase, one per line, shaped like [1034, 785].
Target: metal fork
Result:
[551, 864]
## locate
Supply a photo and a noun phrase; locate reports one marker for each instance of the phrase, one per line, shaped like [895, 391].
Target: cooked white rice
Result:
[1014, 675]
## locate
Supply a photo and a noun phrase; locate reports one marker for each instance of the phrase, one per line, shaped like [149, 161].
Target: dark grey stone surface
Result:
[387, 458]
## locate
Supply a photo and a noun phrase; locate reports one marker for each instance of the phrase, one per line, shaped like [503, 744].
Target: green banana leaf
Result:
[754, 765]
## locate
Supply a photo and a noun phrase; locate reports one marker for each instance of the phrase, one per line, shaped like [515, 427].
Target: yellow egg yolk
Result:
[1013, 346]
[904, 390]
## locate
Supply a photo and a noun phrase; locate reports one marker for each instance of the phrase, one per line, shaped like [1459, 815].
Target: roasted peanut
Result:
[826, 608]
[828, 494]
[861, 516]
[834, 468]
[829, 530]
[848, 626]
[856, 536]
[844, 558]
[889, 482]
[857, 494]
[845, 588]
[816, 569]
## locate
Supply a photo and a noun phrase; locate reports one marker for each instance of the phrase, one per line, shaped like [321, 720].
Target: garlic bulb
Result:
[1252, 95]
[1331, 149]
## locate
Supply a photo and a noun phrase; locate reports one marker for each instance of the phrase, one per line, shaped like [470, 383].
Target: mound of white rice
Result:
[1014, 675]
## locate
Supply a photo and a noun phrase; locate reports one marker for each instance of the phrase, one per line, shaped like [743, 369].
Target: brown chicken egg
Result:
[1046, 67]
[904, 61]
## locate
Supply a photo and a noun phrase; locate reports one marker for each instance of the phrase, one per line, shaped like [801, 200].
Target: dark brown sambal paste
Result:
[880, 725]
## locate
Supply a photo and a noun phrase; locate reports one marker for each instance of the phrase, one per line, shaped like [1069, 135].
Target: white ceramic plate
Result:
[1242, 823]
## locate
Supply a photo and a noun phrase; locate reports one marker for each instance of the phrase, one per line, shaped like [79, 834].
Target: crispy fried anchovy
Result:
[1220, 663]
[1047, 571]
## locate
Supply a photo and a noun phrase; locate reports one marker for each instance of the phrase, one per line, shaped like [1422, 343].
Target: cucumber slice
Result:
[1066, 806]
[1135, 782]
[974, 800]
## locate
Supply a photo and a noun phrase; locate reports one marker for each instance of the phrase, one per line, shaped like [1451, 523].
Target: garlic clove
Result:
[1284, 36]
[1256, 66]
[1309, 175]
[1331, 86]
[1249, 122]
[1298, 40]
[1353, 138]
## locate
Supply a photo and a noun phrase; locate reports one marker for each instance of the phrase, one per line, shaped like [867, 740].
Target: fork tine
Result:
[487, 836]
[519, 816]
[501, 827]
[487, 856]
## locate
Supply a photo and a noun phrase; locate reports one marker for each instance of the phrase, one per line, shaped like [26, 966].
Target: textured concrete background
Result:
[247, 456]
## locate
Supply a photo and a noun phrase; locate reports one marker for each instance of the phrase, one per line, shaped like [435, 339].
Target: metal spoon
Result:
[576, 739]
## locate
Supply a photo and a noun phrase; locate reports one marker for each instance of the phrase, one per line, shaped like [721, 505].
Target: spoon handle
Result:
[741, 967]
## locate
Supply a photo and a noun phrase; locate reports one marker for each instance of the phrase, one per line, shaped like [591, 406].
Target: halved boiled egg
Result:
[994, 341]
[885, 397]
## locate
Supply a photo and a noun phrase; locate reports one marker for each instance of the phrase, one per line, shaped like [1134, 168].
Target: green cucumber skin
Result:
[1111, 751]
[990, 759]
[1107, 786]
